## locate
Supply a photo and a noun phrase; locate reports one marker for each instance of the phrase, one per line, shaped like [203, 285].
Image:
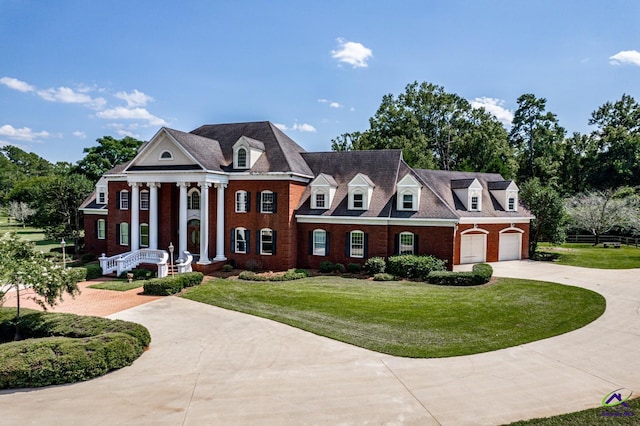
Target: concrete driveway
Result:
[210, 366]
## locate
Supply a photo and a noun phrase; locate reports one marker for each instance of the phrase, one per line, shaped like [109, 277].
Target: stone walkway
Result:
[90, 301]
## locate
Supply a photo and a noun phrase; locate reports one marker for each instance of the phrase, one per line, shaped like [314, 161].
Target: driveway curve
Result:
[212, 366]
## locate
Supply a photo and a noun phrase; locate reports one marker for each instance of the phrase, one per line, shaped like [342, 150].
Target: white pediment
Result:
[163, 150]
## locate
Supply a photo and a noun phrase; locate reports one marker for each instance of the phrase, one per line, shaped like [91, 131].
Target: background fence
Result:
[591, 239]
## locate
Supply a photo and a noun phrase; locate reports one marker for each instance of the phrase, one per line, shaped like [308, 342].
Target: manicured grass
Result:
[118, 285]
[617, 415]
[28, 233]
[413, 319]
[590, 256]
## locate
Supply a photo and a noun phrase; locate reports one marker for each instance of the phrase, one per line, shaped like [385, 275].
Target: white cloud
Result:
[625, 57]
[332, 104]
[335, 105]
[69, 96]
[23, 134]
[495, 107]
[352, 53]
[304, 127]
[134, 99]
[120, 113]
[79, 134]
[15, 84]
[281, 126]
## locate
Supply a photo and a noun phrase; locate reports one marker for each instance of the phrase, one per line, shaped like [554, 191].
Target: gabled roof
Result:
[441, 182]
[281, 153]
[327, 178]
[461, 183]
[500, 185]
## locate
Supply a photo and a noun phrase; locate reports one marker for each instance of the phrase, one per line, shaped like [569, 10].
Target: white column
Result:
[220, 222]
[135, 216]
[182, 219]
[204, 223]
[153, 215]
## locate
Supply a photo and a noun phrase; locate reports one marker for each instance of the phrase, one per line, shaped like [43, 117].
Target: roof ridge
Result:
[433, 191]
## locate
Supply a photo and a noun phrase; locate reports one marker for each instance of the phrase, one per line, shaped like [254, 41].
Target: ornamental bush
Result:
[354, 268]
[480, 274]
[93, 271]
[413, 266]
[326, 267]
[290, 275]
[65, 348]
[375, 265]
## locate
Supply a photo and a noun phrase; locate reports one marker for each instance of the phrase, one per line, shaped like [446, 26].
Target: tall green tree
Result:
[109, 153]
[618, 144]
[578, 164]
[437, 129]
[548, 207]
[536, 138]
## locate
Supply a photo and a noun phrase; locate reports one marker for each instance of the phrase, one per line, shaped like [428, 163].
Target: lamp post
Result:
[171, 248]
[64, 255]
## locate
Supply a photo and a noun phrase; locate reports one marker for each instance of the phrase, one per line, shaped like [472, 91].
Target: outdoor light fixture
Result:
[171, 248]
[64, 257]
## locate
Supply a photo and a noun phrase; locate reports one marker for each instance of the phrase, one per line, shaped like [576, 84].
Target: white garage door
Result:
[473, 248]
[510, 246]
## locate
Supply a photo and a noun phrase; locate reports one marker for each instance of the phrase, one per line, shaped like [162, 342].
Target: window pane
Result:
[320, 200]
[193, 201]
[242, 157]
[512, 203]
[124, 234]
[358, 201]
[144, 200]
[357, 244]
[124, 200]
[241, 242]
[241, 201]
[407, 201]
[101, 229]
[406, 243]
[144, 235]
[266, 241]
[267, 202]
[319, 243]
[474, 203]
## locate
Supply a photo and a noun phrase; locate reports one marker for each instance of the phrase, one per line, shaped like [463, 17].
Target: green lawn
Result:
[29, 234]
[118, 285]
[412, 319]
[618, 415]
[589, 256]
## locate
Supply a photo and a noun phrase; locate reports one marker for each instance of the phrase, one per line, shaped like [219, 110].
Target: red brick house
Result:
[246, 191]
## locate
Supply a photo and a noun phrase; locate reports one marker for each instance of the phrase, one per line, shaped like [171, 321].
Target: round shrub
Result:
[93, 271]
[77, 274]
[484, 271]
[89, 257]
[354, 268]
[66, 348]
[142, 274]
[412, 266]
[339, 268]
[375, 265]
[326, 267]
[227, 268]
[383, 277]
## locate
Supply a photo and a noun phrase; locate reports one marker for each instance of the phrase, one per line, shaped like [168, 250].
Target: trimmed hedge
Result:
[413, 266]
[354, 268]
[480, 274]
[93, 271]
[326, 267]
[173, 284]
[65, 348]
[290, 275]
[375, 265]
[77, 274]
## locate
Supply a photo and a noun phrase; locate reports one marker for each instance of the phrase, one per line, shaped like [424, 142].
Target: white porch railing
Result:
[185, 265]
[124, 262]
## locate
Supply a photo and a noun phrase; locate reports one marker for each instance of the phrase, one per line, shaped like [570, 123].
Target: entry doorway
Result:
[193, 236]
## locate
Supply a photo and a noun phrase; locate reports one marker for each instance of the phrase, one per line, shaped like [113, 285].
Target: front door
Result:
[193, 236]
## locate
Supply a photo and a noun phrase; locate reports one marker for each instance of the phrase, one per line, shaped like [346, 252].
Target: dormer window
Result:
[408, 189]
[474, 203]
[358, 200]
[166, 155]
[102, 196]
[469, 192]
[246, 152]
[360, 192]
[320, 201]
[242, 159]
[512, 204]
[101, 191]
[506, 193]
[323, 189]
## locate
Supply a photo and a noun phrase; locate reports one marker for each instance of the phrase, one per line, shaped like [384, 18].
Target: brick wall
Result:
[493, 239]
[91, 242]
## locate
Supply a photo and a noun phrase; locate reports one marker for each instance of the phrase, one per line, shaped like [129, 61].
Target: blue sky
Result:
[74, 71]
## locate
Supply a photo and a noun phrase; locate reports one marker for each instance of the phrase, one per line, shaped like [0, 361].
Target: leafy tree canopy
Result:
[548, 207]
[109, 153]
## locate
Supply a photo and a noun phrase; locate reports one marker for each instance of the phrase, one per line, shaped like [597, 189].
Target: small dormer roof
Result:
[252, 143]
[461, 183]
[326, 179]
[361, 177]
[500, 185]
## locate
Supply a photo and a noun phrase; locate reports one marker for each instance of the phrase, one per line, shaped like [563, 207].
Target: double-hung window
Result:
[124, 200]
[241, 240]
[267, 202]
[266, 241]
[144, 200]
[319, 242]
[144, 235]
[101, 229]
[406, 243]
[357, 244]
[241, 201]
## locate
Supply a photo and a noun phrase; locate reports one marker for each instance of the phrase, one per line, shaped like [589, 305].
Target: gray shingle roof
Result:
[281, 153]
[499, 185]
[440, 181]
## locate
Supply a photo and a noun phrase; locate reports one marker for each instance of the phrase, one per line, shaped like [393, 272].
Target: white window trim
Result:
[124, 201]
[315, 250]
[102, 192]
[142, 202]
[190, 199]
[123, 226]
[400, 245]
[161, 157]
[352, 200]
[243, 203]
[262, 252]
[244, 238]
[262, 194]
[102, 235]
[314, 200]
[142, 235]
[351, 235]
[414, 199]
[246, 158]
[479, 199]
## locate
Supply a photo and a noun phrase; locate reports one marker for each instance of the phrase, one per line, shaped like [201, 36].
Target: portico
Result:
[193, 203]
